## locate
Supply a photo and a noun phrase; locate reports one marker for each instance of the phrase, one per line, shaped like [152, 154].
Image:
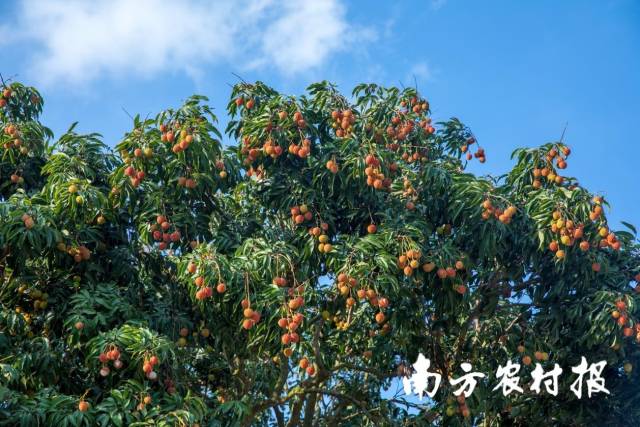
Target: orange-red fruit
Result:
[461, 289]
[255, 316]
[304, 363]
[29, 223]
[285, 339]
[372, 228]
[428, 267]
[83, 406]
[221, 288]
[247, 323]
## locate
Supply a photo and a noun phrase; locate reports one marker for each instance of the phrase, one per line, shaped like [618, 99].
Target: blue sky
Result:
[516, 72]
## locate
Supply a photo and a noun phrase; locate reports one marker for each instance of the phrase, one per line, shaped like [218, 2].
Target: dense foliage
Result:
[289, 278]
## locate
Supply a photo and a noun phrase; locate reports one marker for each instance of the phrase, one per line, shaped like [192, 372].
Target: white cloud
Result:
[437, 4]
[419, 71]
[79, 41]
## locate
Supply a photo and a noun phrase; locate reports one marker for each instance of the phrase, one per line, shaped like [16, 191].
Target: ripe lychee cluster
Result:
[307, 366]
[409, 261]
[540, 356]
[28, 221]
[503, 215]
[135, 176]
[78, 252]
[221, 167]
[253, 149]
[568, 233]
[300, 214]
[148, 367]
[189, 183]
[240, 101]
[347, 285]
[15, 139]
[143, 152]
[16, 179]
[324, 245]
[290, 325]
[292, 318]
[548, 170]
[162, 234]
[408, 189]
[144, 401]
[621, 317]
[375, 177]
[608, 239]
[416, 155]
[596, 210]
[402, 124]
[112, 354]
[251, 316]
[172, 133]
[204, 291]
[272, 149]
[301, 150]
[4, 98]
[251, 153]
[342, 122]
[332, 166]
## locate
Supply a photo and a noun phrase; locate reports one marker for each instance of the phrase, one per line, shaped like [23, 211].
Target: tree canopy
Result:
[290, 275]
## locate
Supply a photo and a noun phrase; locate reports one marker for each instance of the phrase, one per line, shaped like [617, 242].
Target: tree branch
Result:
[310, 409]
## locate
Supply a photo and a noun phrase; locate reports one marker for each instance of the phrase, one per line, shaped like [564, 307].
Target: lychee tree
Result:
[292, 275]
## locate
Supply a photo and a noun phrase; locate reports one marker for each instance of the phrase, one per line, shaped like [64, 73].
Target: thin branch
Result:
[279, 416]
[378, 374]
[563, 131]
[310, 409]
